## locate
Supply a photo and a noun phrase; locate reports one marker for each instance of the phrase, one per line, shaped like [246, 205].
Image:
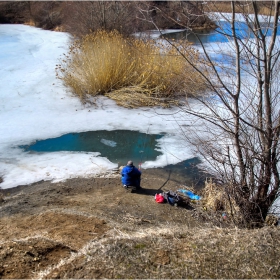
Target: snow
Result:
[34, 105]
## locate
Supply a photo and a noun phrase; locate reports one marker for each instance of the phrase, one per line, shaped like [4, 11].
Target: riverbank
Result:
[93, 228]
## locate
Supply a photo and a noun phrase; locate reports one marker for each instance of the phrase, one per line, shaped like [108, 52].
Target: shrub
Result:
[130, 71]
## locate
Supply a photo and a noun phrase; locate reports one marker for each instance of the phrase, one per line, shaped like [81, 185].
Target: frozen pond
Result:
[35, 106]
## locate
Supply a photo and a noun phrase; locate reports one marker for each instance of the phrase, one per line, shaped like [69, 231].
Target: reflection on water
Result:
[118, 146]
[221, 34]
[186, 173]
[206, 36]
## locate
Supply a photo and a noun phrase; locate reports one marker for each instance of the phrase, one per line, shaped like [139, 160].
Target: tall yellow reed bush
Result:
[130, 71]
[215, 198]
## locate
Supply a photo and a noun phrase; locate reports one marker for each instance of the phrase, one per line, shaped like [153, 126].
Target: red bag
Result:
[159, 198]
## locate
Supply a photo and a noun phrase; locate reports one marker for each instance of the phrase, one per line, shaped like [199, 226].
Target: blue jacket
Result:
[131, 176]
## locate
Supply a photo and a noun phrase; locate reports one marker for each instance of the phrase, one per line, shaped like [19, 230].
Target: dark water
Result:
[206, 36]
[221, 34]
[187, 173]
[118, 146]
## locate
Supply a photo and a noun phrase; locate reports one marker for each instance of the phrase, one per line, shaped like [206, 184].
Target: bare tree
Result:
[85, 16]
[175, 14]
[13, 12]
[237, 122]
[45, 14]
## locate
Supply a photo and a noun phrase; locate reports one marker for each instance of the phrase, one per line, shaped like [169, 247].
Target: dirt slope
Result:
[93, 228]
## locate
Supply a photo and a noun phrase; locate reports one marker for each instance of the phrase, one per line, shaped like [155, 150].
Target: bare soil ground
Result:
[93, 228]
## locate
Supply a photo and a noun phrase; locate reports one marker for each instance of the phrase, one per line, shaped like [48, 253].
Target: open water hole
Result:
[119, 146]
[221, 34]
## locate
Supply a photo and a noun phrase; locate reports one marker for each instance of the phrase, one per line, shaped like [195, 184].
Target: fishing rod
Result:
[142, 152]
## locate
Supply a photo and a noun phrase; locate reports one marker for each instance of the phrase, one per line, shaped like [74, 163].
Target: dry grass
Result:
[177, 253]
[271, 220]
[132, 72]
[214, 196]
[1, 192]
[136, 96]
[216, 203]
[1, 196]
[216, 199]
[30, 23]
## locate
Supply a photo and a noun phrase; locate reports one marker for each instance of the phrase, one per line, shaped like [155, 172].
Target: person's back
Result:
[131, 176]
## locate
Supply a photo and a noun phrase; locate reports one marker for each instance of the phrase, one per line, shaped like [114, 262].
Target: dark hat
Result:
[130, 163]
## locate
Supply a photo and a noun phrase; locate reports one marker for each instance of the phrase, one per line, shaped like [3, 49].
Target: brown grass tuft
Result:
[132, 72]
[271, 220]
[215, 198]
[30, 23]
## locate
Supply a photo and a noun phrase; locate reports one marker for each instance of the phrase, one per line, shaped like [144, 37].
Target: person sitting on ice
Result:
[131, 176]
